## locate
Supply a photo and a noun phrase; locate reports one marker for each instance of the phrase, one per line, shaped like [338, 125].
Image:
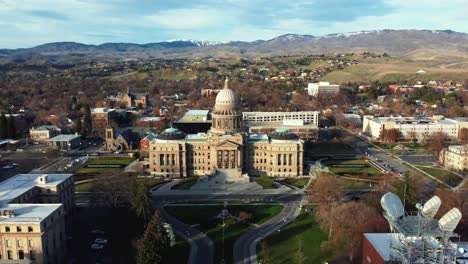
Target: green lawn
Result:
[124, 161]
[370, 170]
[185, 184]
[297, 182]
[204, 216]
[283, 245]
[266, 182]
[443, 175]
[349, 184]
[110, 160]
[329, 147]
[89, 186]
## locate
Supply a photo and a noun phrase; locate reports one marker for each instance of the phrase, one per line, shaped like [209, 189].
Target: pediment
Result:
[228, 144]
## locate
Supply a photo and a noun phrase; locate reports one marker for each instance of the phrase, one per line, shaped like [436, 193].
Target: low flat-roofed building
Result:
[43, 133]
[305, 131]
[33, 211]
[322, 88]
[303, 123]
[64, 142]
[194, 121]
[311, 117]
[455, 157]
[414, 128]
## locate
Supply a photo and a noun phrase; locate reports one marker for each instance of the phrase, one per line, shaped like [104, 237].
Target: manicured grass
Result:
[329, 147]
[89, 186]
[349, 184]
[297, 182]
[443, 175]
[370, 170]
[204, 216]
[185, 184]
[124, 161]
[110, 160]
[84, 187]
[283, 245]
[266, 182]
[83, 170]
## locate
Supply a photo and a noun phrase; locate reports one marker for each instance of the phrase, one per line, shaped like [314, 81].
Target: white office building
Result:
[417, 128]
[322, 88]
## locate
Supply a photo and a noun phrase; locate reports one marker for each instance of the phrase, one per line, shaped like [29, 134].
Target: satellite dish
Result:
[450, 220]
[430, 208]
[392, 205]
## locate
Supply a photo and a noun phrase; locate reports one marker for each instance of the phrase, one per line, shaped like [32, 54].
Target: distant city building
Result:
[33, 213]
[414, 128]
[226, 146]
[194, 121]
[43, 133]
[101, 118]
[130, 99]
[209, 92]
[153, 122]
[455, 157]
[125, 139]
[322, 88]
[311, 117]
[64, 142]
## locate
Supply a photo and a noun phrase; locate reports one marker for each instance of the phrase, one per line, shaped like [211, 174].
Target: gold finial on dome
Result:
[226, 81]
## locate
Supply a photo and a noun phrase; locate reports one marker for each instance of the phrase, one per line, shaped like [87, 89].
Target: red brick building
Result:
[146, 141]
[101, 118]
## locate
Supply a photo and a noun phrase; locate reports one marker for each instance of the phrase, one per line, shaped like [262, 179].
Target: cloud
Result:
[47, 14]
[184, 18]
[27, 23]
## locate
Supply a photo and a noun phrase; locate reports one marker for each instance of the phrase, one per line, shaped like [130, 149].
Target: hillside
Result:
[447, 48]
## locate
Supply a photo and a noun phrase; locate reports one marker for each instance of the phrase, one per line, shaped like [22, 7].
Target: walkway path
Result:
[201, 247]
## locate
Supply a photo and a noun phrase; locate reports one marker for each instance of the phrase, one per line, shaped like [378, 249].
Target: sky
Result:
[27, 23]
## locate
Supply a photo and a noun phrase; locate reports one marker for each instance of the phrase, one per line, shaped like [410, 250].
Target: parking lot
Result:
[25, 161]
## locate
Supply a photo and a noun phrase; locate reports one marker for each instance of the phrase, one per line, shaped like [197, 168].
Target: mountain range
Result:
[423, 45]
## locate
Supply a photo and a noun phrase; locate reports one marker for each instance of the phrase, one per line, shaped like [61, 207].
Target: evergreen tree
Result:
[78, 125]
[154, 243]
[142, 204]
[11, 129]
[407, 191]
[87, 123]
[3, 126]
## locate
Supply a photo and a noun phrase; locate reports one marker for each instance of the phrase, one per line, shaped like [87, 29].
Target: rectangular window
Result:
[18, 229]
[20, 243]
[32, 255]
[30, 229]
[21, 254]
[9, 254]
[7, 229]
[31, 243]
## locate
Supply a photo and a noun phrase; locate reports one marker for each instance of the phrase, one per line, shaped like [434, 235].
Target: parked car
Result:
[97, 246]
[100, 241]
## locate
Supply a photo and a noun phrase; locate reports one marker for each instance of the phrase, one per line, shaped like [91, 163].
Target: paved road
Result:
[201, 247]
[245, 248]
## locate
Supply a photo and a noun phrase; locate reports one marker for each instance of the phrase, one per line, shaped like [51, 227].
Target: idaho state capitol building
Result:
[226, 146]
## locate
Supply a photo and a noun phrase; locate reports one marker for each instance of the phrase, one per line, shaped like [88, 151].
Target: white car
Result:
[100, 241]
[8, 167]
[97, 246]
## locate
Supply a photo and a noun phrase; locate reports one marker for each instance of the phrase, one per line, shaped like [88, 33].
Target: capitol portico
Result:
[227, 146]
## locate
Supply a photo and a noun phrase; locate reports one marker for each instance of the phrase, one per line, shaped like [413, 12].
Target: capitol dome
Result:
[226, 100]
[226, 115]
